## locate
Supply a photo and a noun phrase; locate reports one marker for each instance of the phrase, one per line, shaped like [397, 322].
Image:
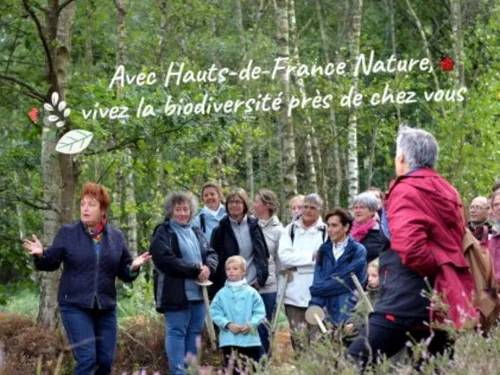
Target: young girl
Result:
[359, 314]
[238, 309]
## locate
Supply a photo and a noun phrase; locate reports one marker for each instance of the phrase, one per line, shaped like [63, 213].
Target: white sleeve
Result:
[290, 257]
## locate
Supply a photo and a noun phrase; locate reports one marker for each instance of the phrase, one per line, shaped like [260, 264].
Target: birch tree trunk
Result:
[248, 149]
[58, 170]
[19, 211]
[131, 206]
[456, 36]
[162, 33]
[286, 124]
[312, 182]
[130, 202]
[427, 49]
[89, 55]
[352, 136]
[331, 117]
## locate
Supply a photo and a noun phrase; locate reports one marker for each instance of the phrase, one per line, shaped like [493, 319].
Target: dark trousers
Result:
[239, 354]
[92, 334]
[385, 337]
[264, 331]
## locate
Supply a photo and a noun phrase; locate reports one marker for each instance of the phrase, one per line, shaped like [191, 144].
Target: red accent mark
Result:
[33, 114]
[447, 64]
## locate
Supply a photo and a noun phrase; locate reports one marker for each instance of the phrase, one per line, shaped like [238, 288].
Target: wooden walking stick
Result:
[315, 316]
[361, 292]
[287, 277]
[208, 318]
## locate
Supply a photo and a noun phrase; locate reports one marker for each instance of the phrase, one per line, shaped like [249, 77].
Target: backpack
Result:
[486, 287]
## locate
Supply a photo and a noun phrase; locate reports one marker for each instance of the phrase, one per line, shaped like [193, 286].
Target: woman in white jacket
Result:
[265, 206]
[298, 245]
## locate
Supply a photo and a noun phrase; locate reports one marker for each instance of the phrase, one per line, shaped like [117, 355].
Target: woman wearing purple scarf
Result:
[366, 229]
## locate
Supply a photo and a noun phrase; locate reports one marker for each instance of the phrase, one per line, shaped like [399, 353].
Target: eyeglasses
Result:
[474, 207]
[235, 202]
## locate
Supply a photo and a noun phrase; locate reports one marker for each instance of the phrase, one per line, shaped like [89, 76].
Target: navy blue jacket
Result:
[86, 277]
[333, 287]
[171, 270]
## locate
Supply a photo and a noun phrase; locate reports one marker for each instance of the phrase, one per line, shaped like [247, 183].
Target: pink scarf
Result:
[359, 231]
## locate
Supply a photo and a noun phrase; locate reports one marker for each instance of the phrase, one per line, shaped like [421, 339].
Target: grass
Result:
[142, 335]
[21, 299]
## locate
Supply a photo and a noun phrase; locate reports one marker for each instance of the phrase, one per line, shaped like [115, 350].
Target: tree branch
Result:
[63, 5]
[32, 91]
[45, 207]
[134, 140]
[39, 7]
[41, 35]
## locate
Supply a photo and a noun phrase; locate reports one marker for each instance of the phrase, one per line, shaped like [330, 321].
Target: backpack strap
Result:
[202, 223]
[323, 230]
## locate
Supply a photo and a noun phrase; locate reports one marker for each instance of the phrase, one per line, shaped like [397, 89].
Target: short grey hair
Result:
[315, 198]
[419, 147]
[368, 200]
[176, 197]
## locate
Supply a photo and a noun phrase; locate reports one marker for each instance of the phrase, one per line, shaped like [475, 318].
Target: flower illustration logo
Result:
[57, 110]
[72, 142]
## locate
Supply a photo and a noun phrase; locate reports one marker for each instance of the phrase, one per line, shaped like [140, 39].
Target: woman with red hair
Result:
[93, 254]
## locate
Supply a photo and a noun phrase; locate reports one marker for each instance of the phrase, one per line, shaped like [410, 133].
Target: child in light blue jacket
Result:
[238, 309]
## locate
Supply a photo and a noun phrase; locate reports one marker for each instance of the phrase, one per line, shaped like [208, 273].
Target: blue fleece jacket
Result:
[333, 287]
[240, 304]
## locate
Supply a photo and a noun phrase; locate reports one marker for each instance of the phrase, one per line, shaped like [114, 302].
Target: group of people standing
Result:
[397, 247]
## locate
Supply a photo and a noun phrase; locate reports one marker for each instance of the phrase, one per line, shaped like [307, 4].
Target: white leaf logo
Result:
[74, 141]
[57, 114]
[55, 98]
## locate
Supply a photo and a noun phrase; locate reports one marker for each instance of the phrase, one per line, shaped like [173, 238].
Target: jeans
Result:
[264, 333]
[92, 334]
[183, 328]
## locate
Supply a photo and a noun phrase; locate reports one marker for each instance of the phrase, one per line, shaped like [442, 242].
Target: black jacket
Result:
[374, 243]
[401, 288]
[85, 276]
[170, 270]
[224, 242]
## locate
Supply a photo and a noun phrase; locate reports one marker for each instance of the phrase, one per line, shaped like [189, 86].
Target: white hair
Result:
[419, 147]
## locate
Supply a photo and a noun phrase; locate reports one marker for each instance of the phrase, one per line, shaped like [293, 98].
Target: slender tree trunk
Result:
[286, 124]
[331, 116]
[456, 36]
[427, 49]
[89, 15]
[130, 202]
[392, 33]
[19, 211]
[131, 206]
[352, 137]
[117, 196]
[248, 149]
[58, 170]
[162, 33]
[312, 182]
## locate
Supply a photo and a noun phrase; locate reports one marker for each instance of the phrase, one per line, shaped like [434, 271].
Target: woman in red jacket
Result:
[423, 229]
